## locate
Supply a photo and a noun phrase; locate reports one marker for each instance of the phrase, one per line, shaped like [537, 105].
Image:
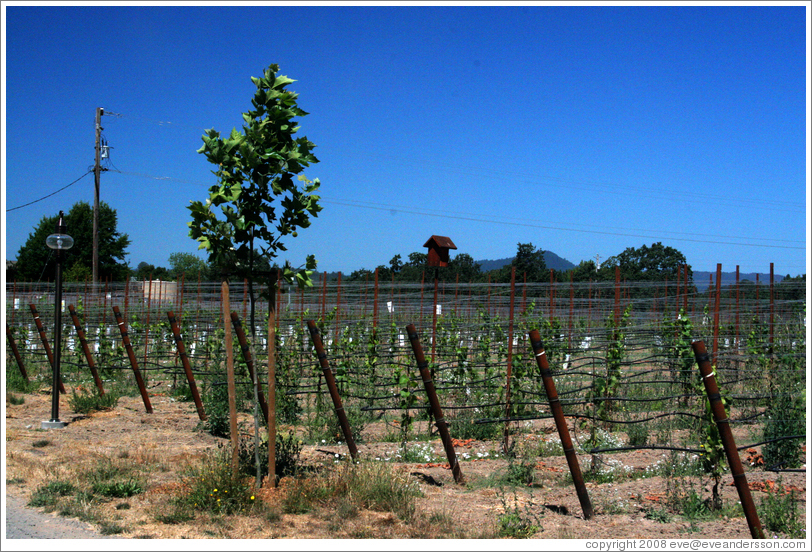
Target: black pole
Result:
[54, 421]
[57, 338]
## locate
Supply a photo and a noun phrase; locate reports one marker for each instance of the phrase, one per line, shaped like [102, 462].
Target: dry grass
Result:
[333, 500]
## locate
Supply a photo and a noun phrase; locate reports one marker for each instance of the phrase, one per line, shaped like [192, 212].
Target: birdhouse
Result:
[438, 250]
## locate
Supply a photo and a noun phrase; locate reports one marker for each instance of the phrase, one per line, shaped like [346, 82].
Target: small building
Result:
[438, 250]
[160, 291]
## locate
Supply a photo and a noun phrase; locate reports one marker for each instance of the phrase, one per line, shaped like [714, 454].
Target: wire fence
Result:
[619, 352]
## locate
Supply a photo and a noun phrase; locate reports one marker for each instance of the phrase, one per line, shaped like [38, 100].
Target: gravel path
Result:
[30, 523]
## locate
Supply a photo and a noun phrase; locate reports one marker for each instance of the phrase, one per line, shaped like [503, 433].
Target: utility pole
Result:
[97, 171]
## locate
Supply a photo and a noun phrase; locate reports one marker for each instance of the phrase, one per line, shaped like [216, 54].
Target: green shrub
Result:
[86, 402]
[516, 522]
[778, 512]
[16, 382]
[47, 495]
[118, 489]
[15, 400]
[212, 488]
[379, 487]
[637, 434]
[215, 400]
[287, 453]
[786, 417]
[371, 485]
[462, 426]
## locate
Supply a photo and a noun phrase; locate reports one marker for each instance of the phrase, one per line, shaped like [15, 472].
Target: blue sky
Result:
[584, 130]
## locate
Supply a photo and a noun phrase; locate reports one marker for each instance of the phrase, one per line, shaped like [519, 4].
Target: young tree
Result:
[34, 260]
[260, 202]
[255, 170]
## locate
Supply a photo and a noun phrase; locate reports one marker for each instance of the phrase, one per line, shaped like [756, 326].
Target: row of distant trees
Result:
[647, 263]
[655, 263]
[35, 262]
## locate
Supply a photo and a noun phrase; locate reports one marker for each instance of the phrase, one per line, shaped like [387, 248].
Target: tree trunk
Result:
[232, 392]
[272, 388]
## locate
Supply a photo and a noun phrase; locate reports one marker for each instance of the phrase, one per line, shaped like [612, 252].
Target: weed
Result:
[370, 485]
[517, 522]
[16, 382]
[779, 512]
[118, 489]
[786, 417]
[15, 400]
[692, 506]
[217, 421]
[85, 402]
[660, 515]
[41, 443]
[463, 426]
[48, 495]
[211, 486]
[379, 487]
[174, 514]
[604, 470]
[637, 434]
[111, 528]
[288, 448]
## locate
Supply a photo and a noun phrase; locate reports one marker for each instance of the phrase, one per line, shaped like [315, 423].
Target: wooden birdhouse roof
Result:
[440, 241]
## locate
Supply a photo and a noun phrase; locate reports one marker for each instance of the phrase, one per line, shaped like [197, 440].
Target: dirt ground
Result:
[168, 438]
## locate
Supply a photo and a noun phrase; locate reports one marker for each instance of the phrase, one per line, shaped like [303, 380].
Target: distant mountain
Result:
[702, 278]
[550, 259]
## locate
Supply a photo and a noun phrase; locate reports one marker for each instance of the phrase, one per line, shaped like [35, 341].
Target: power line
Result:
[475, 217]
[601, 187]
[547, 227]
[396, 208]
[49, 195]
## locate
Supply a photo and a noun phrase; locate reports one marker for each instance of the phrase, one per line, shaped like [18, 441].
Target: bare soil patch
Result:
[162, 443]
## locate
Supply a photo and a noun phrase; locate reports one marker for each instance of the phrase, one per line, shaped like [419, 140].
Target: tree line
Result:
[648, 263]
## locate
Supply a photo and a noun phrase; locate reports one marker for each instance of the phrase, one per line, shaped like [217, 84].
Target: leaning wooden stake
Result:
[439, 420]
[187, 367]
[725, 433]
[122, 326]
[561, 424]
[44, 339]
[332, 387]
[249, 362]
[86, 349]
[232, 391]
[17, 356]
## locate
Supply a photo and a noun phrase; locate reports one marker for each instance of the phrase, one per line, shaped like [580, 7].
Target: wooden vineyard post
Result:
[78, 325]
[122, 326]
[44, 339]
[146, 326]
[561, 424]
[506, 445]
[439, 420]
[552, 294]
[716, 320]
[17, 356]
[733, 460]
[434, 320]
[187, 368]
[333, 388]
[232, 391]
